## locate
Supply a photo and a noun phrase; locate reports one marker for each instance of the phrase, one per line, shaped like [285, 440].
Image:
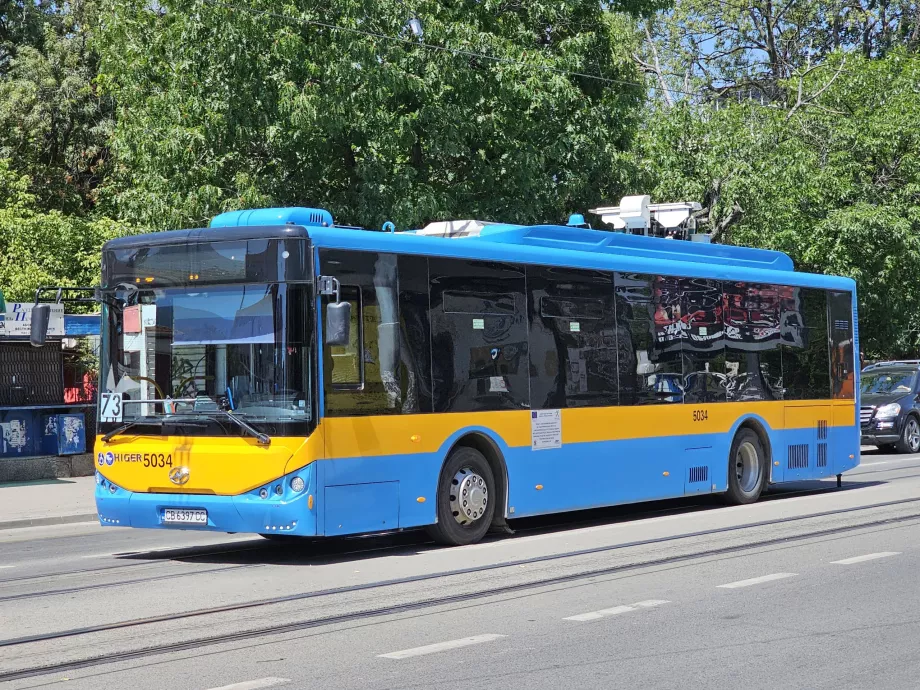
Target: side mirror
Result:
[41, 317]
[338, 323]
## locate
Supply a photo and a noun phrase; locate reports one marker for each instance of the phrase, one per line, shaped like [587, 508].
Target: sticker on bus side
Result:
[545, 429]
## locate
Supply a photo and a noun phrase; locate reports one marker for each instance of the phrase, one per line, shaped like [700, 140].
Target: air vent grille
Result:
[822, 429]
[798, 456]
[699, 474]
[822, 455]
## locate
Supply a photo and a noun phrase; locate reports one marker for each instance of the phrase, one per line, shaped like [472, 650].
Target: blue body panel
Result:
[273, 216]
[556, 245]
[249, 512]
[360, 495]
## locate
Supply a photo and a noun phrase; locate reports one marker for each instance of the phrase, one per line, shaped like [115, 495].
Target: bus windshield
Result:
[195, 352]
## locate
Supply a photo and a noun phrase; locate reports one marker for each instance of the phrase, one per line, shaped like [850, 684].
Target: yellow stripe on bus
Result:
[348, 437]
[231, 466]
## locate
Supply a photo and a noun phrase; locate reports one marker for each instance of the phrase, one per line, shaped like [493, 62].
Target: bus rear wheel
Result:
[747, 468]
[466, 499]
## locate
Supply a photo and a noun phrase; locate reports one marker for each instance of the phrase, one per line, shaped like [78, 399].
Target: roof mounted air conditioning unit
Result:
[637, 216]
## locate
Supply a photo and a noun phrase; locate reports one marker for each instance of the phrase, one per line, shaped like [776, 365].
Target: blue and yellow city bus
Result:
[276, 374]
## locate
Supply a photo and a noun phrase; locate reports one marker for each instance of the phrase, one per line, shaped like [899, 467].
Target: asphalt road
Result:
[812, 587]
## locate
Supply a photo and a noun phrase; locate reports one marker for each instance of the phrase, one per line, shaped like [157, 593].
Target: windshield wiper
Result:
[263, 439]
[127, 425]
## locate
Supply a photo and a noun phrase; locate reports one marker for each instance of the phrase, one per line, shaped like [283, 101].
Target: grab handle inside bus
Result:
[338, 313]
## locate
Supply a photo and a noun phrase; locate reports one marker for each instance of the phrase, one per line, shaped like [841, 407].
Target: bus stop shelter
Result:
[47, 394]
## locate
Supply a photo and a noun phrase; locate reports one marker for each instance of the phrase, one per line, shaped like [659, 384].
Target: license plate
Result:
[185, 517]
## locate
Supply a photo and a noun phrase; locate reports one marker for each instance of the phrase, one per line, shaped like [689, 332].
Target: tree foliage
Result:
[835, 184]
[54, 125]
[220, 108]
[796, 124]
[40, 247]
[765, 49]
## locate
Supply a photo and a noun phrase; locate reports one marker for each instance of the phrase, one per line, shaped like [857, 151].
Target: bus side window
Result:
[478, 336]
[364, 378]
[702, 344]
[346, 362]
[806, 357]
[573, 349]
[649, 339]
[415, 333]
[843, 379]
[751, 316]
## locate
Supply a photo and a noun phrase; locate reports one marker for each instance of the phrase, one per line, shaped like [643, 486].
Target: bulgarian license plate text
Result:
[182, 516]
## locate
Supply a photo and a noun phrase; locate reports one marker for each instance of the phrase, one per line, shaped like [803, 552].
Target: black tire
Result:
[464, 467]
[747, 468]
[910, 436]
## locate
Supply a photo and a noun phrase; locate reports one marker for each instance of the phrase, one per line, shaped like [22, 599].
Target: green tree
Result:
[834, 183]
[236, 104]
[40, 247]
[54, 125]
[765, 50]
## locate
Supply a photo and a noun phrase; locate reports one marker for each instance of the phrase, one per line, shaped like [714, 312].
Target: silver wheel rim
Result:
[913, 435]
[469, 497]
[747, 467]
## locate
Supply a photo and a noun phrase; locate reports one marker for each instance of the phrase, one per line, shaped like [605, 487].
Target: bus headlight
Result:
[298, 484]
[889, 411]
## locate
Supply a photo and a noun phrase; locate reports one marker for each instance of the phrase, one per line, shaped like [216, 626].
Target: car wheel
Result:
[466, 499]
[910, 436]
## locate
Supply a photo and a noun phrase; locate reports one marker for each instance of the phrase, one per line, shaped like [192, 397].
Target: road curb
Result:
[54, 520]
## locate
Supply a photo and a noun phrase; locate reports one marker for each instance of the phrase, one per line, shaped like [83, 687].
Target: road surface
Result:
[813, 587]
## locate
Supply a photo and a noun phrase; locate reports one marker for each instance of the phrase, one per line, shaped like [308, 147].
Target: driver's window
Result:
[347, 361]
[366, 376]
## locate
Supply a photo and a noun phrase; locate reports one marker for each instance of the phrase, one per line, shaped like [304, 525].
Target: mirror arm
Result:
[329, 285]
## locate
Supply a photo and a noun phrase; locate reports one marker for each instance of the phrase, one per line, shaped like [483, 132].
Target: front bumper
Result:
[877, 432]
[877, 439]
[288, 513]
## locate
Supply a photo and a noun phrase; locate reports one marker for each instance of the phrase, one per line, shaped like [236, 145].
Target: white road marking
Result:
[867, 557]
[912, 458]
[255, 684]
[757, 580]
[441, 646]
[6, 566]
[604, 613]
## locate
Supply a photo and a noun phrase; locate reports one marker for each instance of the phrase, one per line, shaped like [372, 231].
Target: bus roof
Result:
[553, 245]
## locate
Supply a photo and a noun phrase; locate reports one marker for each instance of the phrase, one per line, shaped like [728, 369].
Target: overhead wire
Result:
[435, 47]
[447, 49]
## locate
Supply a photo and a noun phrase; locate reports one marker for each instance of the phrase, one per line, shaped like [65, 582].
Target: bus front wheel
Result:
[466, 498]
[747, 468]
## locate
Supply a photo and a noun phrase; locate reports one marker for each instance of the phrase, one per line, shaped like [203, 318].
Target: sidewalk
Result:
[47, 502]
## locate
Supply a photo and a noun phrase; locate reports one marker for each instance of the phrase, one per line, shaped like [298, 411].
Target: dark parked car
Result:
[889, 412]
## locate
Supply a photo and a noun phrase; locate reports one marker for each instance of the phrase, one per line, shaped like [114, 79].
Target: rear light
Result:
[298, 484]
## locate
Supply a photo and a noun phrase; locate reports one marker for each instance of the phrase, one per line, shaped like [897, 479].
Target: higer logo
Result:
[179, 475]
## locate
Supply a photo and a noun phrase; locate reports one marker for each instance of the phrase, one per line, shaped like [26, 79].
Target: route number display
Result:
[110, 407]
